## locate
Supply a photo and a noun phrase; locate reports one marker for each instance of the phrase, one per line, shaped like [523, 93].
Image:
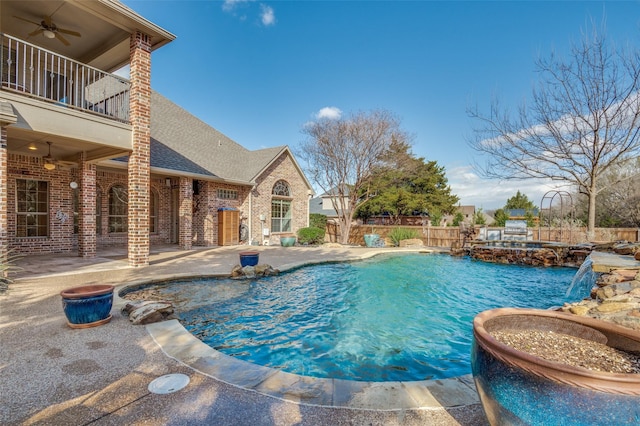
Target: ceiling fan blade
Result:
[26, 20]
[69, 32]
[62, 39]
[47, 20]
[36, 32]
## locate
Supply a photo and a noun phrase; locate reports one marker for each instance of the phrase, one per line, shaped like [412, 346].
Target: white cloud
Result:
[242, 8]
[267, 15]
[331, 113]
[492, 194]
[230, 5]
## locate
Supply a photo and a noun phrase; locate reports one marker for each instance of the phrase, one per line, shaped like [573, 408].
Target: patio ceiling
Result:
[105, 27]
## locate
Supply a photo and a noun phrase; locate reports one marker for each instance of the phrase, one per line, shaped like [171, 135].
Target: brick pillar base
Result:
[87, 213]
[185, 213]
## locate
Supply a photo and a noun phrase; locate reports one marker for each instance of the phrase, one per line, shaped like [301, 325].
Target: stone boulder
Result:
[413, 242]
[148, 311]
[261, 270]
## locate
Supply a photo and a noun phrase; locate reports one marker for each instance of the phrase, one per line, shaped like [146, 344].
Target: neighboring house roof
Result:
[316, 207]
[181, 142]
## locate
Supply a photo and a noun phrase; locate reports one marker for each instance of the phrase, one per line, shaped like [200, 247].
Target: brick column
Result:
[87, 210]
[4, 224]
[185, 211]
[139, 160]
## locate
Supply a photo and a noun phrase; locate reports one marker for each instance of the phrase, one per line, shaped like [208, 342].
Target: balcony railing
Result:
[39, 73]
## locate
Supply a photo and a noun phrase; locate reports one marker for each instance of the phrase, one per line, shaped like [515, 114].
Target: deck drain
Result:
[168, 383]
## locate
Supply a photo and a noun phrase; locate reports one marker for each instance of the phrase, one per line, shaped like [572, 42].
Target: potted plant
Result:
[517, 387]
[371, 240]
[87, 306]
[287, 240]
[249, 258]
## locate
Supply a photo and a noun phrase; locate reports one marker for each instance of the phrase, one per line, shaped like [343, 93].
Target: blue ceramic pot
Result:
[371, 240]
[517, 388]
[249, 258]
[87, 306]
[287, 241]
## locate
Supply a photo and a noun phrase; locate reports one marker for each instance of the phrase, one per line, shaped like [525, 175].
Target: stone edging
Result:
[177, 343]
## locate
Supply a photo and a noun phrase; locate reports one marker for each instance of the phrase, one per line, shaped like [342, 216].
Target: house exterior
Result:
[90, 159]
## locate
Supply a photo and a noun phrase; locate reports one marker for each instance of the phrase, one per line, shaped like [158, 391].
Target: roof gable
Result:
[190, 145]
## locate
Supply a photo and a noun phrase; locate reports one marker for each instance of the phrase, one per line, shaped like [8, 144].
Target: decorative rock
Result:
[637, 255]
[147, 312]
[413, 242]
[249, 271]
[579, 310]
[236, 271]
[614, 307]
[262, 270]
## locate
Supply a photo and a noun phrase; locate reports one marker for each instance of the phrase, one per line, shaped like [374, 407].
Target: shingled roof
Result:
[182, 142]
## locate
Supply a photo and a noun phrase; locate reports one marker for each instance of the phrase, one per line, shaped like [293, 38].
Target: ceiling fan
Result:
[47, 28]
[50, 163]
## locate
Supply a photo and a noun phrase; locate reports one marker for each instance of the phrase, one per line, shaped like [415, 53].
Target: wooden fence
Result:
[445, 236]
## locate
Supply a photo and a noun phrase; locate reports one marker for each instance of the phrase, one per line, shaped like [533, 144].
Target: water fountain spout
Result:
[583, 281]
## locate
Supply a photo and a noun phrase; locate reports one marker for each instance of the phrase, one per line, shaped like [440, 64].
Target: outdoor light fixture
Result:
[48, 34]
[167, 181]
[48, 161]
[32, 147]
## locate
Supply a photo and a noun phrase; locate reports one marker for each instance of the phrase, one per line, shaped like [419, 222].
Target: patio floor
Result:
[52, 374]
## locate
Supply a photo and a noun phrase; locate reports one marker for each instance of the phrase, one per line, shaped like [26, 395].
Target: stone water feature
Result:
[614, 281]
[610, 270]
[534, 253]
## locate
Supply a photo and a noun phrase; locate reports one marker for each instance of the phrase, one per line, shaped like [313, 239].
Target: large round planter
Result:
[371, 240]
[87, 306]
[287, 241]
[517, 388]
[249, 258]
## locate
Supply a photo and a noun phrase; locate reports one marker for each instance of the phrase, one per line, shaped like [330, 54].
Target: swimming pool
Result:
[390, 318]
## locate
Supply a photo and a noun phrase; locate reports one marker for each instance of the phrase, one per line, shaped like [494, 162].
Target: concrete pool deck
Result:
[52, 374]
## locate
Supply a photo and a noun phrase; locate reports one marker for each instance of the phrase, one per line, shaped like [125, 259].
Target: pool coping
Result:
[179, 344]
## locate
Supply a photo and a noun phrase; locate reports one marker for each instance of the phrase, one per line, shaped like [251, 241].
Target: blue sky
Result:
[259, 70]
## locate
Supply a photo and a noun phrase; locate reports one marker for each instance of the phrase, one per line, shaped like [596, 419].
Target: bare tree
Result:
[341, 154]
[584, 118]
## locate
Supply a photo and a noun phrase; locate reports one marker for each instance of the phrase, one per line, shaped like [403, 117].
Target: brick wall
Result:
[61, 238]
[281, 169]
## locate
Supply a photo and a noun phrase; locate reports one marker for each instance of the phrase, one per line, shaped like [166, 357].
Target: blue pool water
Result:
[389, 318]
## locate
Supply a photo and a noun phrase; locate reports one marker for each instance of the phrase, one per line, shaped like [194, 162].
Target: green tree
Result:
[406, 185]
[500, 216]
[435, 216]
[458, 219]
[520, 201]
[478, 217]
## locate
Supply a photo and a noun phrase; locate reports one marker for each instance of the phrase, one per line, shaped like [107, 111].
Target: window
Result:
[227, 194]
[32, 208]
[281, 207]
[281, 188]
[118, 205]
[153, 212]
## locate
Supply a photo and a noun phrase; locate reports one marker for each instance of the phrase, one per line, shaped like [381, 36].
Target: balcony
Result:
[35, 72]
